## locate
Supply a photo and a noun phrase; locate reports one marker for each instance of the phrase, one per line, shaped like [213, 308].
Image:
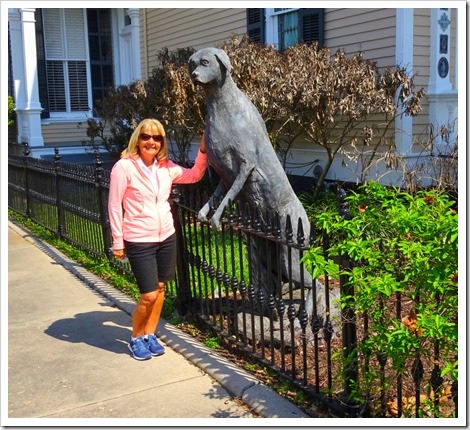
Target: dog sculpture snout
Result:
[194, 75]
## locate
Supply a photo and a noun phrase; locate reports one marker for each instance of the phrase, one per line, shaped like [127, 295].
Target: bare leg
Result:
[154, 318]
[142, 313]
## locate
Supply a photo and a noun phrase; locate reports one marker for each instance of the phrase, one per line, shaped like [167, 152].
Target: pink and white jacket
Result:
[139, 211]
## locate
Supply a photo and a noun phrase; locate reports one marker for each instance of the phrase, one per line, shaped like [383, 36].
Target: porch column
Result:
[28, 107]
[16, 39]
[404, 58]
[134, 15]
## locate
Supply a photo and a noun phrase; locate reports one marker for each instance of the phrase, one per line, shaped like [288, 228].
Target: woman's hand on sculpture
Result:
[203, 144]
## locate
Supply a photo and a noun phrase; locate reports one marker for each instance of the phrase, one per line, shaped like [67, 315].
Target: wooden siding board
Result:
[58, 133]
[192, 26]
[196, 28]
[358, 14]
[371, 31]
[367, 25]
[363, 43]
[185, 26]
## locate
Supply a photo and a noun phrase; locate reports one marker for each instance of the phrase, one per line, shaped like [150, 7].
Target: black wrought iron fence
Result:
[236, 282]
[237, 287]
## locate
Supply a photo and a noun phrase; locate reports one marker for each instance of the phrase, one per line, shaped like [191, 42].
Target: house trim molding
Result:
[442, 97]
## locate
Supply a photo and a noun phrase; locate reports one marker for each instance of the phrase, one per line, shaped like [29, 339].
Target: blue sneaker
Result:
[153, 345]
[139, 349]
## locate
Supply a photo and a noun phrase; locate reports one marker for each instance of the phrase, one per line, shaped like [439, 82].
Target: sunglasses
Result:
[156, 137]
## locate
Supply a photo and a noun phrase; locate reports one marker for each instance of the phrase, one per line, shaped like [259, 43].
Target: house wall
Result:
[371, 31]
[181, 28]
[60, 133]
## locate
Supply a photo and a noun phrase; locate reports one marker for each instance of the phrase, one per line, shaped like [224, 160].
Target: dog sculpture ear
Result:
[191, 64]
[223, 58]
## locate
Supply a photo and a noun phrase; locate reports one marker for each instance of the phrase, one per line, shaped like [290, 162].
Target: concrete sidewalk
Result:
[68, 358]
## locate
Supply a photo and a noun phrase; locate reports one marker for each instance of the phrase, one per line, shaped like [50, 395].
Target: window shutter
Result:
[311, 25]
[53, 39]
[41, 59]
[75, 35]
[11, 81]
[56, 86]
[78, 86]
[255, 25]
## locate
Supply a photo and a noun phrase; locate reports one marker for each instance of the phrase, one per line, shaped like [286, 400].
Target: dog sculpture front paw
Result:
[215, 224]
[215, 219]
[202, 215]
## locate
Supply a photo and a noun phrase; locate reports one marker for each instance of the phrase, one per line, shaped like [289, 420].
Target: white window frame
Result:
[68, 114]
[126, 45]
[272, 35]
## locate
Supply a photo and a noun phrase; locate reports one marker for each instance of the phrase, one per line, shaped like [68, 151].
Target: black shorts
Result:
[152, 262]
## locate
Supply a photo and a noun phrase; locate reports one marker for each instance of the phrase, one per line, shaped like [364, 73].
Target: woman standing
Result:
[142, 224]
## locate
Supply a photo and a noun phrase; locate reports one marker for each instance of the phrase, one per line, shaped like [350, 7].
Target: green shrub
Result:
[11, 111]
[403, 248]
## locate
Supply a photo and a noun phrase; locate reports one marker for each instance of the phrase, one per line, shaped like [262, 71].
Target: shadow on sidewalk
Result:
[108, 330]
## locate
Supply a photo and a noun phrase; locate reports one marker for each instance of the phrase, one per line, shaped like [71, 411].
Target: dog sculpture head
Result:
[209, 65]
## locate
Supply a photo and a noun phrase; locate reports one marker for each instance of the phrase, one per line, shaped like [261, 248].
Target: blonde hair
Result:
[133, 149]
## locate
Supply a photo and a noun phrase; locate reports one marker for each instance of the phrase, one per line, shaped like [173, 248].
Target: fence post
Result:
[183, 293]
[348, 317]
[103, 204]
[60, 212]
[27, 152]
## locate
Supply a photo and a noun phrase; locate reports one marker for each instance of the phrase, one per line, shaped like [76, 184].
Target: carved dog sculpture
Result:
[240, 152]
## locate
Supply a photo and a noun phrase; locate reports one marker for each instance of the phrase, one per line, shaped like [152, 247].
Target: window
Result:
[101, 58]
[75, 64]
[66, 60]
[284, 27]
[287, 27]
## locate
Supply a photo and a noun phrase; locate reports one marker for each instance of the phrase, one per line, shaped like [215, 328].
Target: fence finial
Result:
[26, 151]
[300, 234]
[57, 156]
[289, 231]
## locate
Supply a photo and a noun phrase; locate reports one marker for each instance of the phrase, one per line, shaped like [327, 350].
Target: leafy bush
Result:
[305, 92]
[11, 111]
[403, 248]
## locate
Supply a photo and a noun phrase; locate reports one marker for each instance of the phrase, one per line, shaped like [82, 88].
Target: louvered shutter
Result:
[11, 81]
[53, 39]
[311, 25]
[75, 36]
[255, 25]
[41, 59]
